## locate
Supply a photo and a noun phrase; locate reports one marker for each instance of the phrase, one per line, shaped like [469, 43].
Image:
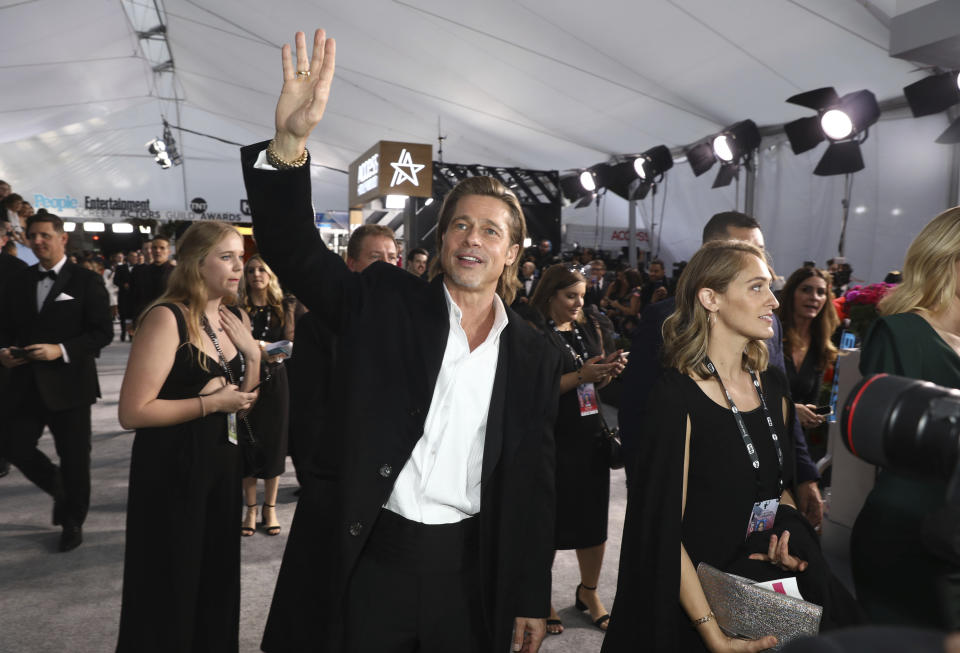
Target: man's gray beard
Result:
[458, 280]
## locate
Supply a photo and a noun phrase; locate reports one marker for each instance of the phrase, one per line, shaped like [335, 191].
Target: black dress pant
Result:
[69, 483]
[416, 588]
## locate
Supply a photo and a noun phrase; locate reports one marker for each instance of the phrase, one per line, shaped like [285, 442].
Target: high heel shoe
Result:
[601, 621]
[274, 529]
[247, 531]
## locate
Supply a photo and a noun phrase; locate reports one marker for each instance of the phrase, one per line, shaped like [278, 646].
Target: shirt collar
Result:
[500, 318]
[56, 268]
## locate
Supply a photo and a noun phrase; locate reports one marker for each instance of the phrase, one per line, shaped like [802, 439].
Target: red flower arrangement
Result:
[859, 305]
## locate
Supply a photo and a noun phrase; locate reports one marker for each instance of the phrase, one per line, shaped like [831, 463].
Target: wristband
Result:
[203, 409]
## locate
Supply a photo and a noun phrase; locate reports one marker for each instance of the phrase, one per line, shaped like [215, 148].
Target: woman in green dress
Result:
[898, 580]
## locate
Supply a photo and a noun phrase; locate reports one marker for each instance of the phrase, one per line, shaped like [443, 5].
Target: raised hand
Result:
[304, 96]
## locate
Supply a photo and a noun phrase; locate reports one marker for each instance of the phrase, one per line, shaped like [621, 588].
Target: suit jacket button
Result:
[355, 528]
[414, 412]
[385, 471]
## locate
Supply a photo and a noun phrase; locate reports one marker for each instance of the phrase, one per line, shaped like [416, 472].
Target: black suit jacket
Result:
[149, 282]
[82, 324]
[392, 329]
[9, 265]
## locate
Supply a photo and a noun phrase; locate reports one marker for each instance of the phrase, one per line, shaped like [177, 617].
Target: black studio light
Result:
[651, 165]
[843, 121]
[573, 192]
[634, 176]
[164, 149]
[935, 94]
[733, 147]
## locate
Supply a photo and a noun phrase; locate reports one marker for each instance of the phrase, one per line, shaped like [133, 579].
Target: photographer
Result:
[898, 579]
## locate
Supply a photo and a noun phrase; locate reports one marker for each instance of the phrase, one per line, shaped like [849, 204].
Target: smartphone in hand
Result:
[824, 410]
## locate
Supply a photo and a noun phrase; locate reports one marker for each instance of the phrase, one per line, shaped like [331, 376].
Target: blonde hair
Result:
[686, 333]
[274, 293]
[186, 286]
[823, 325]
[929, 278]
[508, 283]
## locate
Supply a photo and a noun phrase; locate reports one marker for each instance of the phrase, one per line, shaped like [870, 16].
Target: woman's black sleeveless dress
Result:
[181, 574]
[270, 415]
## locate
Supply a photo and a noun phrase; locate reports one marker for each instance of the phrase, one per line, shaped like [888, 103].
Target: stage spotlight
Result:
[935, 94]
[844, 121]
[588, 180]
[735, 143]
[573, 192]
[733, 147]
[653, 163]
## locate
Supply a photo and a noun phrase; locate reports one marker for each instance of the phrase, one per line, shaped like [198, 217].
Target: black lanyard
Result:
[577, 358]
[747, 441]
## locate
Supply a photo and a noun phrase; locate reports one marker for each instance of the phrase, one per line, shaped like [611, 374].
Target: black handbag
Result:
[611, 440]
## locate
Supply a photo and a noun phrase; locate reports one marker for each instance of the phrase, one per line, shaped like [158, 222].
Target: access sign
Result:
[391, 168]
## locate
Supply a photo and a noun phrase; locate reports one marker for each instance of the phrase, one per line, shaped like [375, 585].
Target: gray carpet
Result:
[59, 602]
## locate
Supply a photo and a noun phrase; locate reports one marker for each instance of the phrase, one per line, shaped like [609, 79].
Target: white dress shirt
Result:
[440, 483]
[43, 289]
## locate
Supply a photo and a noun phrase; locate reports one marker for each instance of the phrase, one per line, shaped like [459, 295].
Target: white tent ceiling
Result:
[550, 84]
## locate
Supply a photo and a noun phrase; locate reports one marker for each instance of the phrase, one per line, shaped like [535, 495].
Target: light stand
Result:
[845, 203]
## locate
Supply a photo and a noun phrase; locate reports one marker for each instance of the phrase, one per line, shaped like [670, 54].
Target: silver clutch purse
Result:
[744, 610]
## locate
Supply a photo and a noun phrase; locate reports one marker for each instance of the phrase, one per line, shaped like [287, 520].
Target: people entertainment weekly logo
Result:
[96, 206]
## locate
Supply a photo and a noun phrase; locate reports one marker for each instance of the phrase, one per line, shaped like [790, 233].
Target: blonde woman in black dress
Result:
[271, 320]
[190, 372]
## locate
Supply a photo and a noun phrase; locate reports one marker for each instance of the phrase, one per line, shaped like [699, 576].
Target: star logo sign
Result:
[404, 169]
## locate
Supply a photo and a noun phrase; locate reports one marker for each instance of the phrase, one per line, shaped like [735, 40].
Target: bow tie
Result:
[46, 274]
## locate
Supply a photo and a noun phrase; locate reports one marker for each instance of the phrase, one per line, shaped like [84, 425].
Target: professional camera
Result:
[911, 427]
[906, 425]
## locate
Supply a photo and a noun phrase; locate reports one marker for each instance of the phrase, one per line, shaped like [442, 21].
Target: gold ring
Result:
[303, 73]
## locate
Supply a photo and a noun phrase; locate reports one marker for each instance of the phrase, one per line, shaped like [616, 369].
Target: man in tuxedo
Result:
[54, 320]
[430, 527]
[123, 280]
[528, 282]
[596, 283]
[9, 266]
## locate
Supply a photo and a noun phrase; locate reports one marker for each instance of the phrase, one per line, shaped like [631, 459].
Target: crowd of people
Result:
[445, 420]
